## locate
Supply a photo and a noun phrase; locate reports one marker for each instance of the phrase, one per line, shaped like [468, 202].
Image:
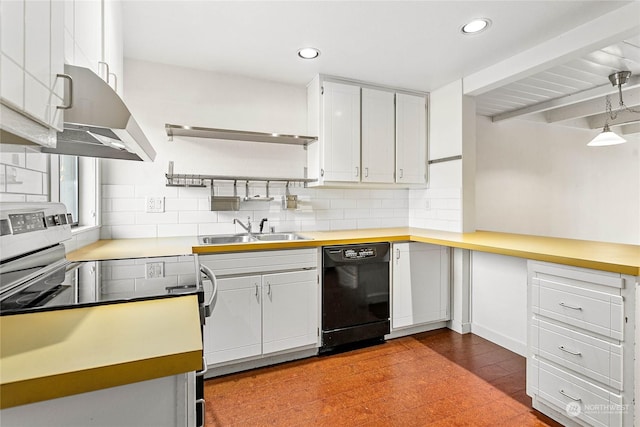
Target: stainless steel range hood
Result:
[99, 124]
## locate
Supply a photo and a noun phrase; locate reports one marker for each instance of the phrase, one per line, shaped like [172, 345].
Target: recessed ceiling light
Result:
[476, 26]
[308, 53]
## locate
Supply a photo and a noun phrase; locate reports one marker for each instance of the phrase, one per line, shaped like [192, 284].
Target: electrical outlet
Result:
[154, 270]
[154, 204]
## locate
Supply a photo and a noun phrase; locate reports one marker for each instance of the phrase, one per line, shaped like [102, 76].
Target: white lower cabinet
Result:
[580, 361]
[267, 304]
[420, 284]
[161, 402]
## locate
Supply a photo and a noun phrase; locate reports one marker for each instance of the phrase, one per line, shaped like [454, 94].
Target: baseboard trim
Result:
[397, 333]
[500, 339]
[459, 327]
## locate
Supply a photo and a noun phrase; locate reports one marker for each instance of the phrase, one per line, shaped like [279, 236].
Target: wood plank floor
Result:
[438, 378]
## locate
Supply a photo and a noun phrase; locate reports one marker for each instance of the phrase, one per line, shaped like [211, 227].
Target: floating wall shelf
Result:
[237, 135]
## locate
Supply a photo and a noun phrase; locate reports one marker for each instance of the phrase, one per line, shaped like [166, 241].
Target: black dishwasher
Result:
[355, 294]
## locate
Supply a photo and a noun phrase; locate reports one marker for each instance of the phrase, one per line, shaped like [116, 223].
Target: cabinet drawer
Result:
[594, 311]
[595, 358]
[598, 406]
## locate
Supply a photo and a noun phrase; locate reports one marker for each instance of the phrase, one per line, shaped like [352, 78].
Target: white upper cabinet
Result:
[411, 139]
[113, 54]
[87, 34]
[340, 135]
[367, 134]
[93, 38]
[32, 55]
[378, 136]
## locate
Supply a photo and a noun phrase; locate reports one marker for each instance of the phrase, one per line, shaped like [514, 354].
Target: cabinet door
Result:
[378, 136]
[411, 139]
[290, 310]
[340, 132]
[12, 52]
[233, 331]
[87, 35]
[113, 43]
[420, 284]
[37, 40]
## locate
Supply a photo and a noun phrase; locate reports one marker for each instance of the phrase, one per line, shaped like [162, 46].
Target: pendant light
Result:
[607, 137]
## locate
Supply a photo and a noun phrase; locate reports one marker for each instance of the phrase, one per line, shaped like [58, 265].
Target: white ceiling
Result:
[409, 44]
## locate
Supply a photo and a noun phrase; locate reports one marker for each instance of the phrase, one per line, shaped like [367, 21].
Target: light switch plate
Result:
[154, 204]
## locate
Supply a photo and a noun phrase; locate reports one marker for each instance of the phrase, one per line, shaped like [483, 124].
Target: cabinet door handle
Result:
[575, 353]
[257, 297]
[268, 288]
[401, 173]
[366, 172]
[108, 73]
[201, 402]
[321, 172]
[357, 171]
[70, 80]
[572, 307]
[205, 368]
[397, 253]
[576, 399]
[115, 81]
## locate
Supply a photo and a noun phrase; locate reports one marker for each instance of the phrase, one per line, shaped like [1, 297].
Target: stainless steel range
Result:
[35, 274]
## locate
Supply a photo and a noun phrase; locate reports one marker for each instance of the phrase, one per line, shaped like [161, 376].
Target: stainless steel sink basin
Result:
[273, 237]
[224, 239]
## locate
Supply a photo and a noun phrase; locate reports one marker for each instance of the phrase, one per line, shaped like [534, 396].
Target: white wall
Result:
[536, 178]
[159, 94]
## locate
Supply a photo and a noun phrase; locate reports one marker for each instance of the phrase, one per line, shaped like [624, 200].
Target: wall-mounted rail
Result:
[237, 135]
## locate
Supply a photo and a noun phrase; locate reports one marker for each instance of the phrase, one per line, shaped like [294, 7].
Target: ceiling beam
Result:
[623, 117]
[591, 107]
[588, 37]
[630, 129]
[572, 99]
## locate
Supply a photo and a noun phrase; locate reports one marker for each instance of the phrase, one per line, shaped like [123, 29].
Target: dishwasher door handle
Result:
[208, 308]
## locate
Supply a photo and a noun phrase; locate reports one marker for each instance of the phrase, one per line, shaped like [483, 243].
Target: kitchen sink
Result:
[225, 238]
[222, 239]
[273, 237]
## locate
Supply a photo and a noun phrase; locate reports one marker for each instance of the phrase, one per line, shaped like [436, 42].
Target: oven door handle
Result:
[208, 308]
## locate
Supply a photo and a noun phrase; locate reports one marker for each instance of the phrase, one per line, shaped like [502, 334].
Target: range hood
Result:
[99, 124]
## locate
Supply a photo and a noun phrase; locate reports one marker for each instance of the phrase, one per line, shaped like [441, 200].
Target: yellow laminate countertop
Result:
[50, 354]
[618, 258]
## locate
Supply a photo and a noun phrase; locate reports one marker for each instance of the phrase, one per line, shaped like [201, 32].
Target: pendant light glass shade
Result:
[606, 137]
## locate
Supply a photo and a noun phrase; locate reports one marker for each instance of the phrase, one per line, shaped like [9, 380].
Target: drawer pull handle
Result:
[575, 399]
[572, 307]
[575, 353]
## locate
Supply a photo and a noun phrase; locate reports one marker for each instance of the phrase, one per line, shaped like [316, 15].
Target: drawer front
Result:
[593, 311]
[595, 358]
[260, 261]
[597, 406]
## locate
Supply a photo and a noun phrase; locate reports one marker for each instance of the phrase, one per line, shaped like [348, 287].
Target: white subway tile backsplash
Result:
[180, 204]
[118, 218]
[132, 271]
[329, 214]
[156, 218]
[142, 191]
[19, 180]
[216, 228]
[37, 161]
[369, 223]
[132, 231]
[15, 155]
[173, 230]
[127, 205]
[118, 191]
[196, 217]
[37, 198]
[369, 203]
[343, 224]
[357, 213]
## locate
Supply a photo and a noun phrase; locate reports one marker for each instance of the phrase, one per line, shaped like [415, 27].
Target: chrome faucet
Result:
[246, 227]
